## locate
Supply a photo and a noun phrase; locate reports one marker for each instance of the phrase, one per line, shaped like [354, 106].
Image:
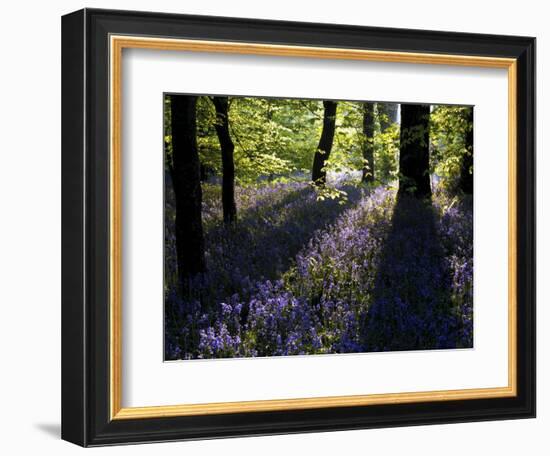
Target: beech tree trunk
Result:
[187, 188]
[368, 144]
[466, 182]
[414, 152]
[322, 154]
[205, 173]
[228, 165]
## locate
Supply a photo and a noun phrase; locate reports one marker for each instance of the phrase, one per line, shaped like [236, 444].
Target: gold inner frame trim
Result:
[117, 44]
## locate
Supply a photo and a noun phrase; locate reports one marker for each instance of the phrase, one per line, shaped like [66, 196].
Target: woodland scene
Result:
[308, 227]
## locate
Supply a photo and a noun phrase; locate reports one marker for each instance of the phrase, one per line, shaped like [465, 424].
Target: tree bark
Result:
[228, 165]
[414, 152]
[187, 188]
[368, 144]
[466, 182]
[387, 115]
[322, 154]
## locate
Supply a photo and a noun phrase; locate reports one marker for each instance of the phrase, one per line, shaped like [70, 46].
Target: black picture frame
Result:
[85, 224]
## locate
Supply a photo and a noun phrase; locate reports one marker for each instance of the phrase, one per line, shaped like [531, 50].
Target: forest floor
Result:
[299, 275]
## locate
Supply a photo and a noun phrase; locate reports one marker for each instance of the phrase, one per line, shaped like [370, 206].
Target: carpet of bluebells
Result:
[296, 275]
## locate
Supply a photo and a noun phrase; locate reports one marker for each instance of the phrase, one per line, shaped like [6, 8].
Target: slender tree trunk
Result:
[414, 152]
[204, 172]
[466, 172]
[368, 144]
[228, 166]
[187, 188]
[322, 154]
[387, 114]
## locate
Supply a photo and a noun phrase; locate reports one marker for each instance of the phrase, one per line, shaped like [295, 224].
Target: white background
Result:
[147, 74]
[30, 230]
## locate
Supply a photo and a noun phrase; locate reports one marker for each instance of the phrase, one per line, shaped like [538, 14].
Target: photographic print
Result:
[302, 227]
[274, 224]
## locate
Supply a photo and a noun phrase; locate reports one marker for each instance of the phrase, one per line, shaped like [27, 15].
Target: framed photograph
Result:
[278, 227]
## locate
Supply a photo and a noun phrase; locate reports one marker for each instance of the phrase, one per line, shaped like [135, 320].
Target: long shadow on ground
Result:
[260, 246]
[412, 306]
[264, 241]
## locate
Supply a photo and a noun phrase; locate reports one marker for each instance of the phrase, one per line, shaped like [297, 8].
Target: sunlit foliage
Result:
[448, 128]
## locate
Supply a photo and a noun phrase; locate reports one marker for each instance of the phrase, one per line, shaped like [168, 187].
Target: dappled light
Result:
[322, 227]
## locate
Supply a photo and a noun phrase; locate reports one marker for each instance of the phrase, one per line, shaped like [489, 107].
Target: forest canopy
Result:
[275, 138]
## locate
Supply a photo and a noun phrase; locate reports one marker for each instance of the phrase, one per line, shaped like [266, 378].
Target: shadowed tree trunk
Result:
[368, 142]
[228, 166]
[414, 152]
[322, 154]
[187, 188]
[466, 171]
[387, 115]
[205, 173]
